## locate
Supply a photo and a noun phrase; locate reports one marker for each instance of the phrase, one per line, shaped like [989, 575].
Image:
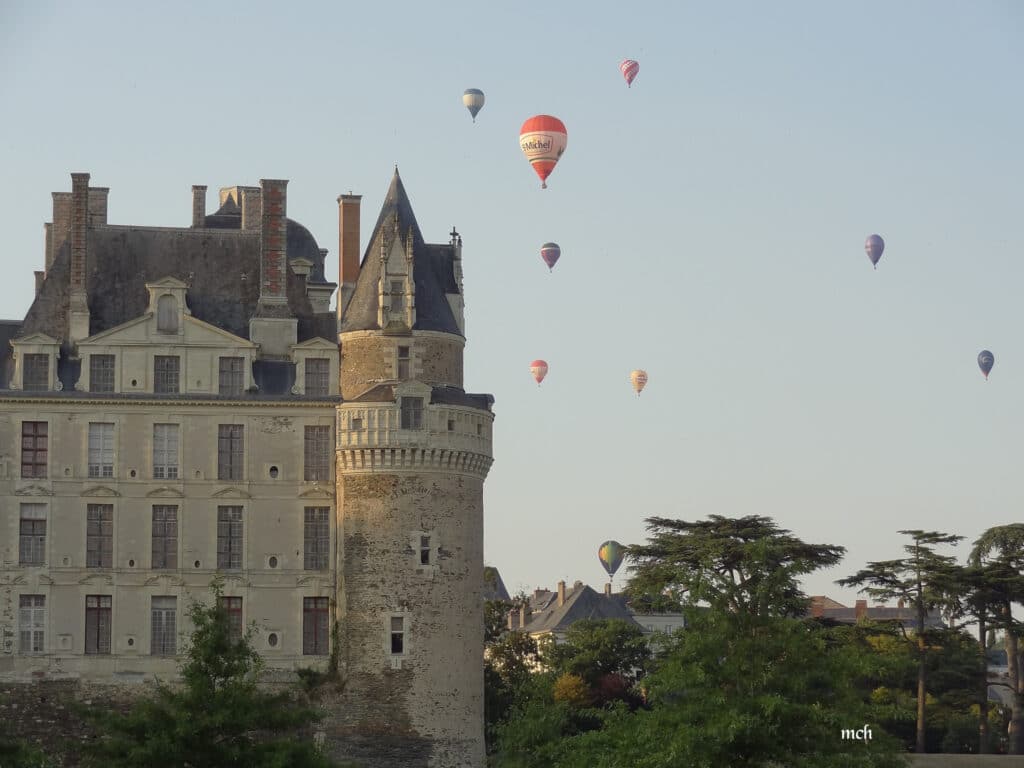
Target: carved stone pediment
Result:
[164, 492]
[317, 492]
[98, 578]
[164, 580]
[100, 490]
[231, 493]
[33, 490]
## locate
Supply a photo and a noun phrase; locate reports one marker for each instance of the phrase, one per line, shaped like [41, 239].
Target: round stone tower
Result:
[413, 449]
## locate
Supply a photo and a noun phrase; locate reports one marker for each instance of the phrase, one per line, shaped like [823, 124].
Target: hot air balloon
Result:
[473, 100]
[610, 554]
[629, 69]
[639, 379]
[543, 140]
[550, 253]
[874, 246]
[985, 361]
[539, 369]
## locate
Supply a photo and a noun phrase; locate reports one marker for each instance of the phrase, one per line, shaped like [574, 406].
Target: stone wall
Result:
[368, 358]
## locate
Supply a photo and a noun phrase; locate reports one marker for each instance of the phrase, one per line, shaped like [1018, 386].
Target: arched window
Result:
[167, 314]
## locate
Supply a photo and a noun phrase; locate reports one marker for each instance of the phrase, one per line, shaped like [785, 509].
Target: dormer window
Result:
[412, 413]
[36, 376]
[397, 297]
[167, 314]
[403, 363]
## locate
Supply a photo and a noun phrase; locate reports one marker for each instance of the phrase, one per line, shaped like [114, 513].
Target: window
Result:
[424, 550]
[397, 635]
[229, 538]
[36, 375]
[315, 622]
[412, 413]
[403, 363]
[99, 538]
[167, 314]
[101, 450]
[32, 535]
[32, 623]
[165, 537]
[33, 448]
[101, 373]
[165, 451]
[233, 607]
[397, 297]
[230, 454]
[162, 629]
[97, 623]
[317, 538]
[231, 378]
[318, 454]
[165, 374]
[317, 376]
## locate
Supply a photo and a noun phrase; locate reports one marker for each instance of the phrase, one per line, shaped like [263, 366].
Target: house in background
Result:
[824, 607]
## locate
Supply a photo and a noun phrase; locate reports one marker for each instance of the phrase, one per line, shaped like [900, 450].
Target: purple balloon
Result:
[985, 361]
[550, 253]
[874, 246]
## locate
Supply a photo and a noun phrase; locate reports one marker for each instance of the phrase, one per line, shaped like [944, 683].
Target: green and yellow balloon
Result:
[610, 554]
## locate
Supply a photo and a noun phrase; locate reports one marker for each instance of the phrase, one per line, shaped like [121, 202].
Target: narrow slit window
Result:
[424, 550]
[397, 635]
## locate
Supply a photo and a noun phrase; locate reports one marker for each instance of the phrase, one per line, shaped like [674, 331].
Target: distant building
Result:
[552, 613]
[494, 587]
[823, 607]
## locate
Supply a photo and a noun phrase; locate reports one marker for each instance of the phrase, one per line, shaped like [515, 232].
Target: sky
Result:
[712, 220]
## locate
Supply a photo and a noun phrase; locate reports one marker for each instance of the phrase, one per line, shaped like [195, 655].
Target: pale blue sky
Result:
[711, 219]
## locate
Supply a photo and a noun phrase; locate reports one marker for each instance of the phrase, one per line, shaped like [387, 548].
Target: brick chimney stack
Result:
[98, 205]
[522, 616]
[348, 248]
[273, 241]
[860, 609]
[61, 230]
[608, 589]
[561, 594]
[78, 311]
[198, 206]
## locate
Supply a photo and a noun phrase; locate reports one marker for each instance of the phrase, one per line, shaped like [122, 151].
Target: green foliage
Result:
[218, 717]
[594, 648]
[746, 565]
[18, 754]
[572, 690]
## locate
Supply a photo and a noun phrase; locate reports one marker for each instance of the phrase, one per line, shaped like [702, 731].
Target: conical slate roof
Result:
[433, 271]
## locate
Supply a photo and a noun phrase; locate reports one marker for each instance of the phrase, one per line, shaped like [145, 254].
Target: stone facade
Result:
[180, 406]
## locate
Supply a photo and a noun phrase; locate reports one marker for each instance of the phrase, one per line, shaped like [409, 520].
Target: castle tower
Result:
[413, 449]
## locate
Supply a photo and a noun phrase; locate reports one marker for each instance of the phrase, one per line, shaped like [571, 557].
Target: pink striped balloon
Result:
[539, 369]
[629, 68]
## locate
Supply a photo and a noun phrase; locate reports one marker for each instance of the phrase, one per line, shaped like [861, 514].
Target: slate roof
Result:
[494, 587]
[581, 602]
[221, 266]
[433, 271]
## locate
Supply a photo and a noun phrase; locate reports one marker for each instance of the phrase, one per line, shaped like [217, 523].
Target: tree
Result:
[999, 553]
[746, 565]
[594, 648]
[18, 754]
[218, 717]
[924, 579]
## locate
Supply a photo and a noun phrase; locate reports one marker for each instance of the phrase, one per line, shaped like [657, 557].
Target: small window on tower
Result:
[397, 635]
[397, 297]
[403, 363]
[424, 550]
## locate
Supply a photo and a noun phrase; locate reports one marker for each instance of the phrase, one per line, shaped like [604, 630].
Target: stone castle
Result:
[184, 403]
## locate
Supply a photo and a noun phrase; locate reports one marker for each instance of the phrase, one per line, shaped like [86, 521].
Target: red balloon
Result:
[543, 140]
[539, 369]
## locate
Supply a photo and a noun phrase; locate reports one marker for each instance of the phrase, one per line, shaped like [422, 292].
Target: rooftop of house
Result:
[825, 607]
[556, 611]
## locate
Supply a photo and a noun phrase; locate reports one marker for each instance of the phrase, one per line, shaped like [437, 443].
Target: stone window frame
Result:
[163, 620]
[317, 382]
[99, 536]
[166, 377]
[101, 446]
[164, 545]
[231, 377]
[31, 624]
[32, 537]
[316, 536]
[35, 344]
[99, 611]
[316, 626]
[403, 362]
[233, 606]
[231, 452]
[411, 410]
[164, 453]
[397, 634]
[230, 537]
[317, 453]
[37, 455]
[168, 314]
[416, 549]
[35, 372]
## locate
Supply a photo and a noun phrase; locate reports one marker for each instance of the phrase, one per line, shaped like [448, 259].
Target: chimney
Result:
[198, 206]
[522, 616]
[78, 314]
[817, 607]
[40, 276]
[561, 594]
[61, 230]
[511, 620]
[251, 208]
[608, 589]
[273, 241]
[273, 326]
[348, 248]
[98, 205]
[900, 603]
[860, 610]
